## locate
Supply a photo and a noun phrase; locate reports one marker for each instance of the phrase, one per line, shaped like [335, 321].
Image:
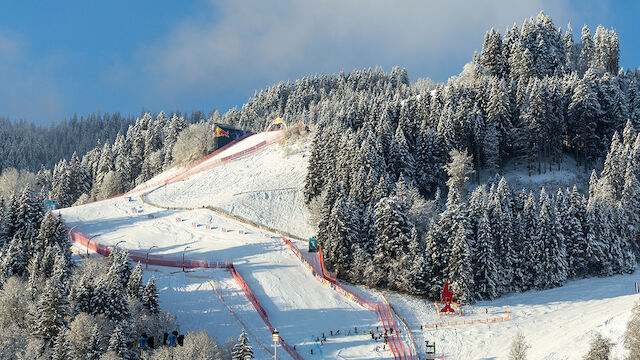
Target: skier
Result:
[331, 332]
[311, 351]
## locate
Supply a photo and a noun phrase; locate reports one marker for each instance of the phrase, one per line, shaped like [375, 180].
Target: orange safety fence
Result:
[188, 167]
[263, 314]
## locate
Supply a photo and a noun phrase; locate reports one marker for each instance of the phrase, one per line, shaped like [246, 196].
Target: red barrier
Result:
[384, 312]
[149, 259]
[170, 261]
[263, 314]
[188, 167]
[188, 171]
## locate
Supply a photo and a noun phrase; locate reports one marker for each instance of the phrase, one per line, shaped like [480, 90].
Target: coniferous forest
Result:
[392, 165]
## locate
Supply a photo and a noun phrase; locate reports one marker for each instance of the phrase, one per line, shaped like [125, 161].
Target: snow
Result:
[566, 175]
[266, 187]
[298, 305]
[557, 323]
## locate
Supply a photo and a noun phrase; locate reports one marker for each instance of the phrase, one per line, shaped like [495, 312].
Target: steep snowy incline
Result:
[298, 305]
[265, 187]
[209, 161]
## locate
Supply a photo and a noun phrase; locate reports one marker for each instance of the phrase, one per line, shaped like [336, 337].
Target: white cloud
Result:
[238, 44]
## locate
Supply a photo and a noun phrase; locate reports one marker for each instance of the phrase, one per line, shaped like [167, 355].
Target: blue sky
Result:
[57, 58]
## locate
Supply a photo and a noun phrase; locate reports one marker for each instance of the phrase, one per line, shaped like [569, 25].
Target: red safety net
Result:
[383, 310]
[188, 167]
[178, 261]
[147, 258]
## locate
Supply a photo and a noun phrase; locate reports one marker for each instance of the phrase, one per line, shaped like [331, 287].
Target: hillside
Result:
[569, 314]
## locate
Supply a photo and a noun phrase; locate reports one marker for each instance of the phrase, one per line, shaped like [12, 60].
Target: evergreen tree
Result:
[52, 310]
[134, 286]
[150, 296]
[492, 58]
[486, 273]
[459, 267]
[61, 350]
[118, 344]
[552, 253]
[392, 232]
[242, 350]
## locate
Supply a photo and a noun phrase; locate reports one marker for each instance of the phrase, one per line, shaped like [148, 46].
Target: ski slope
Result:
[265, 187]
[557, 323]
[297, 304]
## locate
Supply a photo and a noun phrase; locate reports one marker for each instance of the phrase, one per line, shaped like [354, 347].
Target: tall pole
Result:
[276, 337]
[185, 249]
[146, 265]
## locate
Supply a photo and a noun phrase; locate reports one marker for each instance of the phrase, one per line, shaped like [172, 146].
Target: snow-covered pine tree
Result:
[583, 113]
[486, 274]
[340, 236]
[134, 286]
[52, 310]
[94, 345]
[572, 211]
[530, 243]
[504, 235]
[29, 215]
[118, 344]
[587, 52]
[82, 296]
[242, 350]
[112, 295]
[552, 256]
[61, 350]
[392, 233]
[492, 57]
[459, 268]
[150, 296]
[15, 259]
